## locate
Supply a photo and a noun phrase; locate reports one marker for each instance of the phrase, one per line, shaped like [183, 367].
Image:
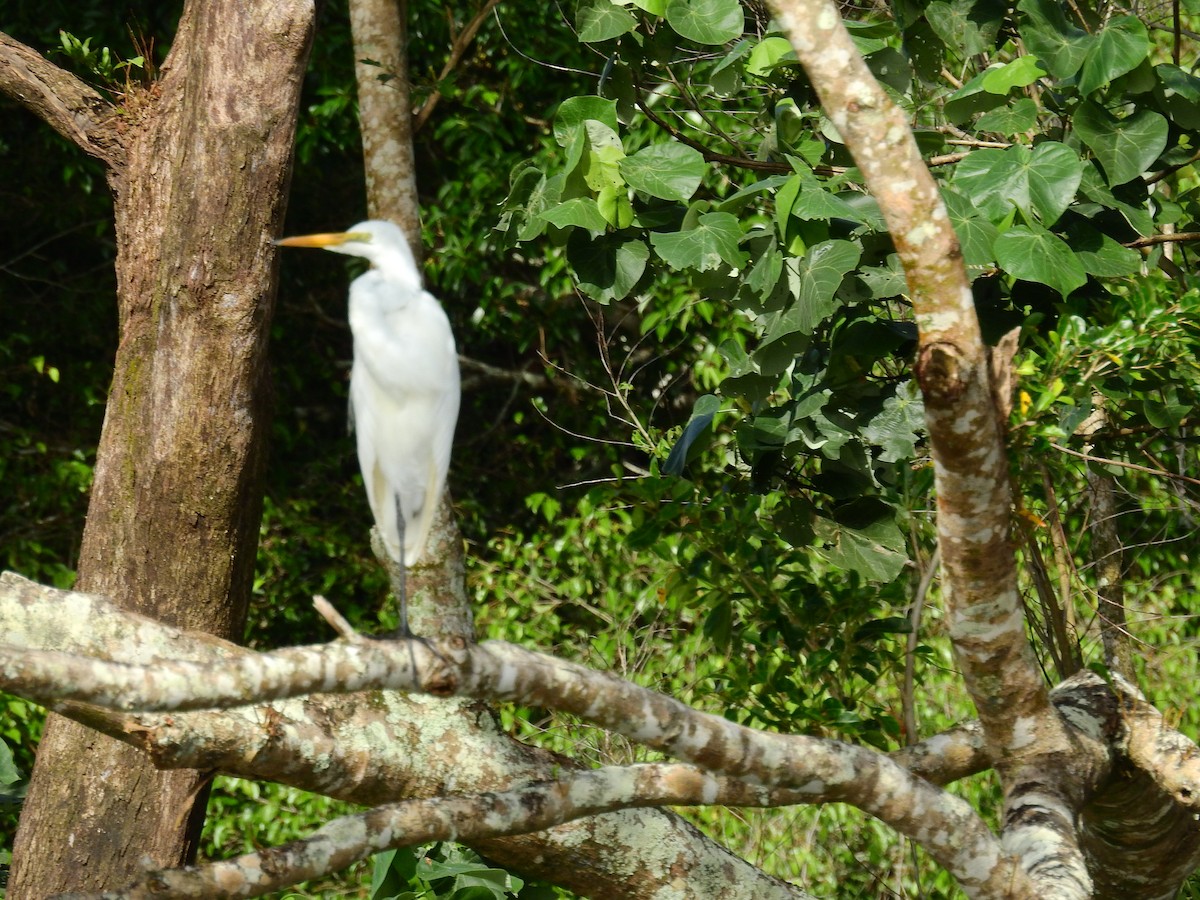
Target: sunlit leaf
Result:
[581, 212]
[1047, 34]
[668, 171]
[1022, 71]
[602, 20]
[875, 552]
[1034, 254]
[706, 21]
[1127, 147]
[1118, 49]
[574, 111]
[712, 242]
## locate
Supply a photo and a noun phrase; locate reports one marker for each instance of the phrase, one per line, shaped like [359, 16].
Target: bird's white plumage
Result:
[404, 385]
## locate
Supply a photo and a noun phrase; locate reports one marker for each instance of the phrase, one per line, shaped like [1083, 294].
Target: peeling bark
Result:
[822, 770]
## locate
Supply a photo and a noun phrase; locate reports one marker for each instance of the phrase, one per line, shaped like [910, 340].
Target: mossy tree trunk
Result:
[199, 167]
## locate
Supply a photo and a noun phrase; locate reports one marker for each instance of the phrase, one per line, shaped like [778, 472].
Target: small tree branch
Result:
[483, 373]
[1179, 237]
[68, 105]
[1162, 473]
[458, 46]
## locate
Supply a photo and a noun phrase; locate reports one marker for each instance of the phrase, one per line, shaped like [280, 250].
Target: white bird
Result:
[404, 385]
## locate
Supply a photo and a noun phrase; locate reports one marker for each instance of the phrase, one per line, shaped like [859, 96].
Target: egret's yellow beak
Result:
[323, 240]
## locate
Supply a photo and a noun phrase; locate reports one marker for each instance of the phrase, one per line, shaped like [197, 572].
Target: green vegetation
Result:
[705, 467]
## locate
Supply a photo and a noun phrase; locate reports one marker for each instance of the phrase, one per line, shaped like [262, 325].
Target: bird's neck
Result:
[402, 275]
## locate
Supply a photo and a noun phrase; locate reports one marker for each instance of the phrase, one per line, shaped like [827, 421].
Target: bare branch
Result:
[1179, 237]
[823, 770]
[466, 818]
[458, 47]
[485, 373]
[1162, 473]
[62, 101]
[375, 748]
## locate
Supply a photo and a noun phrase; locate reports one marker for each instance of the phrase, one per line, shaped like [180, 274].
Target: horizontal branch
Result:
[62, 101]
[464, 818]
[821, 770]
[374, 748]
[1180, 237]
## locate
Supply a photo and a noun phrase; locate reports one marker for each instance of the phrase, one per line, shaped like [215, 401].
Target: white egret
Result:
[404, 387]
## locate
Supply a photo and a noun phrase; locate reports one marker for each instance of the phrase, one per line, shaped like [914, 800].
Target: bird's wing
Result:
[444, 417]
[369, 419]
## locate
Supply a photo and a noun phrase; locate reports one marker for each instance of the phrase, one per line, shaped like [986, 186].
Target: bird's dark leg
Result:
[403, 630]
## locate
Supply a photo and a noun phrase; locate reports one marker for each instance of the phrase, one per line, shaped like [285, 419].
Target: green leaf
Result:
[1099, 254]
[613, 203]
[769, 53]
[765, 272]
[8, 768]
[970, 100]
[815, 203]
[1094, 188]
[1118, 49]
[706, 21]
[1040, 182]
[1179, 93]
[581, 212]
[602, 20]
[976, 233]
[886, 280]
[1127, 147]
[574, 111]
[890, 67]
[966, 27]
[1015, 118]
[714, 240]
[898, 426]
[1048, 35]
[1021, 72]
[1032, 253]
[875, 552]
[668, 171]
[813, 280]
[608, 267]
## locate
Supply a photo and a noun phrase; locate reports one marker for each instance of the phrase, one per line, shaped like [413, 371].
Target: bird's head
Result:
[381, 243]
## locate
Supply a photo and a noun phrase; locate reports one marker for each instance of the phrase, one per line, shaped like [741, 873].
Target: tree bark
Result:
[174, 513]
[380, 32]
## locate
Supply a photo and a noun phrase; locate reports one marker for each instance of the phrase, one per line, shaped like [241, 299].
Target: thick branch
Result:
[377, 748]
[61, 100]
[466, 818]
[823, 770]
[971, 471]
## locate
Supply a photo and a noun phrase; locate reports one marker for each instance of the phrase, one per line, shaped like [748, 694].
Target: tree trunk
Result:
[174, 512]
[380, 31]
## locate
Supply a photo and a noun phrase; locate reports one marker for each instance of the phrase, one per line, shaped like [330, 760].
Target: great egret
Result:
[404, 387]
